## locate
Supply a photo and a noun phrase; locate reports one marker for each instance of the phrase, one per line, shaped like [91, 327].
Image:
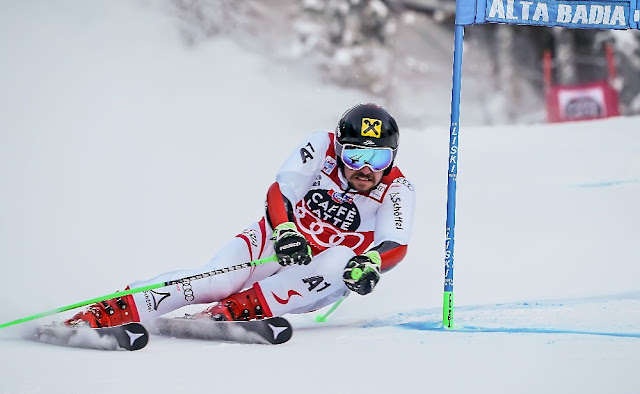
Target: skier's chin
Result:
[362, 186]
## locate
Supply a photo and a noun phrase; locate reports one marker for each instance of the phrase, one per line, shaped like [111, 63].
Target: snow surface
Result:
[115, 137]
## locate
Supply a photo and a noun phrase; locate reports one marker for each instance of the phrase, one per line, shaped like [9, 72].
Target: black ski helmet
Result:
[367, 125]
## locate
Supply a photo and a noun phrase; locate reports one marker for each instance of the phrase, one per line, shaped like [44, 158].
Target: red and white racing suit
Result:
[337, 221]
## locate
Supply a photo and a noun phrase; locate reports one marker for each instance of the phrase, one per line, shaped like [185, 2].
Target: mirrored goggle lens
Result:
[376, 159]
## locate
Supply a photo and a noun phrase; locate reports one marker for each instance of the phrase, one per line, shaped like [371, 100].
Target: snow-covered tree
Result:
[351, 37]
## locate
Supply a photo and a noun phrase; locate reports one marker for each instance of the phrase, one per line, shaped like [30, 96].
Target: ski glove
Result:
[291, 247]
[362, 272]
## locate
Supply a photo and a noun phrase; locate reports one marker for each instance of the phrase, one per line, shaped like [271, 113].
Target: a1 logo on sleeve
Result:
[371, 127]
[306, 153]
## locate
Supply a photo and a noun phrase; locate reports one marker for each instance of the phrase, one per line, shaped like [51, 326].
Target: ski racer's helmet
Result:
[367, 125]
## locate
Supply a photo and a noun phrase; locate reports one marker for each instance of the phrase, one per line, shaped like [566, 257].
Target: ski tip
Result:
[132, 336]
[281, 329]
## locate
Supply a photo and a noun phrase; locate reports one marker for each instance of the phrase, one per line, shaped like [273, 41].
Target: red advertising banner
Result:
[581, 102]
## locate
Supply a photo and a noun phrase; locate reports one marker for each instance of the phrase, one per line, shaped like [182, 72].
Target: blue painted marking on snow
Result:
[432, 326]
[608, 183]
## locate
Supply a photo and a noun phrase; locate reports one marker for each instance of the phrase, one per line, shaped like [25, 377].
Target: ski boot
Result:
[240, 306]
[109, 313]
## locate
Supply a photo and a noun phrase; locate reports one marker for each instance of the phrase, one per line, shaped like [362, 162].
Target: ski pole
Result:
[143, 288]
[323, 318]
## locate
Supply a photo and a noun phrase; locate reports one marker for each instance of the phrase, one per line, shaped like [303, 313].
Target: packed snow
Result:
[125, 153]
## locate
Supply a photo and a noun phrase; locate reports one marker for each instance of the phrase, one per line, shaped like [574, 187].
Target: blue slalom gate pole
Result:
[447, 310]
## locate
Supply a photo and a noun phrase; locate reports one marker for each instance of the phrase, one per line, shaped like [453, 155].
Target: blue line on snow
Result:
[608, 183]
[426, 326]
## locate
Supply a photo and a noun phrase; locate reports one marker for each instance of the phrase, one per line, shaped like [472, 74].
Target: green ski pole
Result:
[323, 318]
[141, 289]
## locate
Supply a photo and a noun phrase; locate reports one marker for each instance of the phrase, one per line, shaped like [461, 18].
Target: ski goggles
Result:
[356, 157]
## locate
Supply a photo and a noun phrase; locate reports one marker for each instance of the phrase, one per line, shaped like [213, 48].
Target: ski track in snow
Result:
[579, 316]
[504, 318]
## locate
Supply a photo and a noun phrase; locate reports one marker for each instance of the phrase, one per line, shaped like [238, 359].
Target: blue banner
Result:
[565, 13]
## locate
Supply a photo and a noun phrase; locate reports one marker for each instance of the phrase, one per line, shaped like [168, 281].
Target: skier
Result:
[338, 215]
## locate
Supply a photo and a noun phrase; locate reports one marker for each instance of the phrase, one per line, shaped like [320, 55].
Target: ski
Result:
[274, 330]
[131, 336]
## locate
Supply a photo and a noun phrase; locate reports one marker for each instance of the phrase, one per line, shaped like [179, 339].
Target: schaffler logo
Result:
[290, 294]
